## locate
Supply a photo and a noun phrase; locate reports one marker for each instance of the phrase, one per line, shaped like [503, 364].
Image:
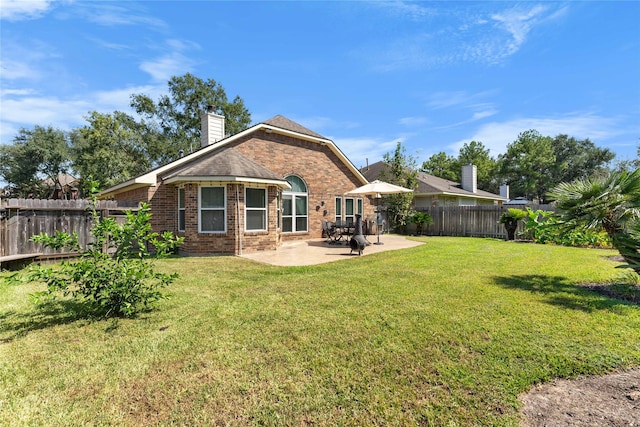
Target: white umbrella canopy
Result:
[378, 187]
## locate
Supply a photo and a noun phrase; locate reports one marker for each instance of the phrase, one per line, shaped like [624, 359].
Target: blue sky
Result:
[365, 74]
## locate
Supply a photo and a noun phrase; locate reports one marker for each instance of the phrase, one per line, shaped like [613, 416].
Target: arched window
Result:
[295, 212]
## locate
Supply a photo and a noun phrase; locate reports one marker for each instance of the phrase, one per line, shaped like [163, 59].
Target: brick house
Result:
[434, 191]
[273, 182]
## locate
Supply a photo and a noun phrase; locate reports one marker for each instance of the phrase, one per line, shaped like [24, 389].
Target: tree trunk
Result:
[511, 228]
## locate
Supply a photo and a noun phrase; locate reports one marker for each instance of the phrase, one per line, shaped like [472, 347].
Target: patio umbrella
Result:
[376, 189]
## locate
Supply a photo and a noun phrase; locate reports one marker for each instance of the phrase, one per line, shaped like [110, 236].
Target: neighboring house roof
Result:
[63, 179]
[224, 165]
[519, 201]
[429, 185]
[432, 185]
[278, 124]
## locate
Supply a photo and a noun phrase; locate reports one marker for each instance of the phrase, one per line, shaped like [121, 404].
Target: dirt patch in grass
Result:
[609, 400]
[629, 293]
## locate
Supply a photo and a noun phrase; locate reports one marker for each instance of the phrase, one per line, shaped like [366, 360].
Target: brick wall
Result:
[323, 172]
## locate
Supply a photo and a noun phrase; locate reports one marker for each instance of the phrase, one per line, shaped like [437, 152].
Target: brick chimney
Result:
[211, 127]
[470, 178]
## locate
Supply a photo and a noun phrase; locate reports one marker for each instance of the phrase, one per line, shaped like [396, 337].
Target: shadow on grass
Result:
[43, 315]
[559, 291]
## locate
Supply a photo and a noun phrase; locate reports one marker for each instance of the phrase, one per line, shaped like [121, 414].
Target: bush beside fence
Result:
[20, 219]
[470, 221]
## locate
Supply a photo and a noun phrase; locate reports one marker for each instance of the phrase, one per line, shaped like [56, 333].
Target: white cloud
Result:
[17, 92]
[172, 63]
[413, 121]
[109, 14]
[162, 68]
[412, 10]
[460, 98]
[467, 102]
[44, 111]
[361, 150]
[455, 36]
[496, 136]
[14, 70]
[518, 23]
[64, 113]
[16, 10]
[478, 115]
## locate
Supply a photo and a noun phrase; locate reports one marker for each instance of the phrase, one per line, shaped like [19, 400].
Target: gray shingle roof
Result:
[225, 162]
[429, 184]
[287, 124]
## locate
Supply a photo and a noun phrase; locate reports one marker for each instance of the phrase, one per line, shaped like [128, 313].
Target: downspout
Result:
[238, 219]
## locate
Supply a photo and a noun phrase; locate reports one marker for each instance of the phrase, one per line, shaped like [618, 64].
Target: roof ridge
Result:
[286, 123]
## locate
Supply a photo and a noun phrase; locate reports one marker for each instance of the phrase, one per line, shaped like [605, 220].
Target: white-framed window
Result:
[338, 209]
[347, 208]
[295, 212]
[212, 210]
[181, 210]
[255, 209]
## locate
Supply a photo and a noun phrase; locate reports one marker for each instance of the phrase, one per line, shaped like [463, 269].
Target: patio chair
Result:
[330, 232]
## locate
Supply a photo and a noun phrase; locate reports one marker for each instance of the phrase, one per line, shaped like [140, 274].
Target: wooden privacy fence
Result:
[21, 219]
[470, 221]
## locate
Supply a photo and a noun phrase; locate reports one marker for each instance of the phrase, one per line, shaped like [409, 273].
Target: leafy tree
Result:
[442, 166]
[115, 274]
[476, 153]
[449, 167]
[608, 202]
[36, 154]
[176, 117]
[527, 165]
[401, 169]
[578, 159]
[534, 163]
[111, 148]
[629, 164]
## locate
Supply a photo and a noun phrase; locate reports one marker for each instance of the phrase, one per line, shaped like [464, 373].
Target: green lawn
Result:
[448, 333]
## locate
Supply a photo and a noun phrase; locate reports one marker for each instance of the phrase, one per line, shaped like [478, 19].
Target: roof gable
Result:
[225, 162]
[276, 124]
[286, 124]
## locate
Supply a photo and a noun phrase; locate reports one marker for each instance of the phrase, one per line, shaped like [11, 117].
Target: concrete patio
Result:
[318, 251]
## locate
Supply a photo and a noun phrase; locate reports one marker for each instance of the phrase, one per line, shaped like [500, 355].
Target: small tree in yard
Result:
[510, 219]
[421, 219]
[400, 170]
[115, 274]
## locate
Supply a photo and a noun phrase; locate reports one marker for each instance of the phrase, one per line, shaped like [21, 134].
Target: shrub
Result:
[545, 227]
[510, 220]
[115, 274]
[420, 219]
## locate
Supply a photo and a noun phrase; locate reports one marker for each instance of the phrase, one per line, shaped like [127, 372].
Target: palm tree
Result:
[610, 203]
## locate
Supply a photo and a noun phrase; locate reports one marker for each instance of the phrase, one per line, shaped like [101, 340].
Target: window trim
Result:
[182, 209]
[253, 209]
[341, 208]
[223, 209]
[294, 195]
